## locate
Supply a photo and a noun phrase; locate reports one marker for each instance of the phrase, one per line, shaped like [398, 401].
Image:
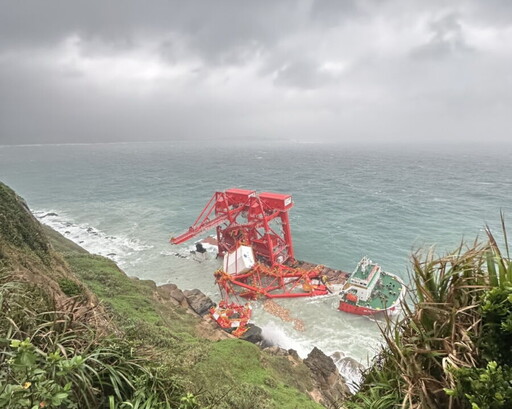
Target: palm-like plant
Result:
[55, 358]
[440, 331]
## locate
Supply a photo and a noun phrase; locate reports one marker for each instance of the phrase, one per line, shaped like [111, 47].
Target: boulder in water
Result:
[253, 334]
[337, 356]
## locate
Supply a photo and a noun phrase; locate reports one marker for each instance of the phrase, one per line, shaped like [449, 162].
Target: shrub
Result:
[453, 346]
[54, 358]
[484, 388]
[70, 287]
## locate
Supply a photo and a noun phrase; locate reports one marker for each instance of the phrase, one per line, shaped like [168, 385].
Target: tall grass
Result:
[53, 357]
[442, 331]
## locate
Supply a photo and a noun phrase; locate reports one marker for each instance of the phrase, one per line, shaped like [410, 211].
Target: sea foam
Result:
[118, 248]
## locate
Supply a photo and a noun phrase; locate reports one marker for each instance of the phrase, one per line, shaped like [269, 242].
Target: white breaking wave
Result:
[117, 248]
[348, 367]
[128, 251]
[190, 251]
[275, 335]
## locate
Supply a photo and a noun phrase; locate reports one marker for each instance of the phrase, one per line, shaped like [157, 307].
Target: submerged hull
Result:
[360, 310]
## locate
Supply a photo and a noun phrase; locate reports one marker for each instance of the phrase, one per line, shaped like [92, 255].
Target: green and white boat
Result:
[370, 290]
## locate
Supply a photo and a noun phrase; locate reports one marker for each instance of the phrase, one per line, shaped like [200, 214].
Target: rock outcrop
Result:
[64, 273]
[330, 386]
[330, 383]
[174, 294]
[194, 300]
[253, 335]
[349, 368]
[198, 301]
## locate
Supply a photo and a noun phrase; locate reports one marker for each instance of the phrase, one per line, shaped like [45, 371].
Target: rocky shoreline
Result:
[330, 386]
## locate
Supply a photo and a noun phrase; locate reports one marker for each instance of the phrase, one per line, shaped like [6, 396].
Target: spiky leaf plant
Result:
[452, 347]
[53, 358]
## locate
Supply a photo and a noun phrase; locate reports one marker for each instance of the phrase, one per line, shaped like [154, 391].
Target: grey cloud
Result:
[447, 39]
[218, 31]
[392, 86]
[303, 74]
[332, 12]
[493, 12]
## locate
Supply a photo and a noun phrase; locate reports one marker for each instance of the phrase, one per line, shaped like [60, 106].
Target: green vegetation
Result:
[224, 374]
[453, 348]
[54, 358]
[75, 331]
[259, 382]
[70, 288]
[19, 228]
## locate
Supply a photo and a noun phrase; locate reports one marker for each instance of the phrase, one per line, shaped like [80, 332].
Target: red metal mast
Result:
[260, 221]
[243, 217]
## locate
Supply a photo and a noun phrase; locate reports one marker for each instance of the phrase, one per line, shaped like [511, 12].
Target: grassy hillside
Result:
[225, 374]
[75, 328]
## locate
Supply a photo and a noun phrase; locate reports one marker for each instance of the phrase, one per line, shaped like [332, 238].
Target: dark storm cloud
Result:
[215, 29]
[358, 69]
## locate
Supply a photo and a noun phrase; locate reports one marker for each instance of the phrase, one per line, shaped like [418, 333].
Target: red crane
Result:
[244, 217]
[260, 221]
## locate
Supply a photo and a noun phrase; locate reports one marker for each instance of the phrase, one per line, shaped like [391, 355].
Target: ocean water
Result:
[125, 201]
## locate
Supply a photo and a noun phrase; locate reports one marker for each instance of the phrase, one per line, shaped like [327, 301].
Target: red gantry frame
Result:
[243, 217]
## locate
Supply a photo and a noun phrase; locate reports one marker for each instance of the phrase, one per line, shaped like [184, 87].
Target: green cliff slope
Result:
[74, 329]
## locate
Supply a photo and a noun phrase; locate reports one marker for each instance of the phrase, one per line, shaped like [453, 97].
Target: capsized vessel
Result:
[370, 290]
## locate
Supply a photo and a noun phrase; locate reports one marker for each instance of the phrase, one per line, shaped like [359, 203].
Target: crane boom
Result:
[242, 216]
[192, 232]
[205, 225]
[225, 205]
[244, 219]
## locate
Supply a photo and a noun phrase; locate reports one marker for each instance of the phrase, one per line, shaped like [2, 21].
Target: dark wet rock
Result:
[111, 254]
[200, 248]
[199, 302]
[319, 363]
[294, 354]
[331, 384]
[253, 334]
[67, 232]
[337, 356]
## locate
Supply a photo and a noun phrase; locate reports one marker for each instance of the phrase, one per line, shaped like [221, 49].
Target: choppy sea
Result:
[126, 200]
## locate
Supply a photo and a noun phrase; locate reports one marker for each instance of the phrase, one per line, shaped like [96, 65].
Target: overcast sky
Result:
[369, 70]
